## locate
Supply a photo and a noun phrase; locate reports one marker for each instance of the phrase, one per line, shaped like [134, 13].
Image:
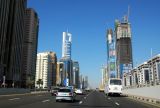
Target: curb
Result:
[148, 100]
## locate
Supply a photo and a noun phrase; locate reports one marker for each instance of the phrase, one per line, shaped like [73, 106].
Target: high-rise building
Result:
[12, 32]
[66, 45]
[123, 47]
[60, 74]
[105, 76]
[67, 72]
[111, 54]
[76, 82]
[46, 70]
[81, 81]
[66, 59]
[30, 47]
[86, 82]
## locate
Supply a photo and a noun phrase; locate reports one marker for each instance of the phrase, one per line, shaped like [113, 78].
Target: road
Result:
[92, 99]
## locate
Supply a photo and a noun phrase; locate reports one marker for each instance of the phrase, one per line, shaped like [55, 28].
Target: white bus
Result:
[113, 86]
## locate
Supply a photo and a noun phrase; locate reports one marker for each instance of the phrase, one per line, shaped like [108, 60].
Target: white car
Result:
[65, 94]
[79, 91]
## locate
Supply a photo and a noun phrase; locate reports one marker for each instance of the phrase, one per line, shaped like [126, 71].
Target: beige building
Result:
[148, 73]
[46, 70]
[59, 74]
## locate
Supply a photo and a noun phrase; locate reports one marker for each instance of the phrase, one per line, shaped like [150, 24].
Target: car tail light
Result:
[56, 93]
[70, 94]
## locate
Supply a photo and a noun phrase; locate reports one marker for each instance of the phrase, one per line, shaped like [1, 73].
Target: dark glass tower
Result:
[12, 13]
[30, 48]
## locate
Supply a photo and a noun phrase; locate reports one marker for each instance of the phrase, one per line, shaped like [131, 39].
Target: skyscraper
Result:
[111, 52]
[81, 81]
[66, 45]
[66, 59]
[123, 46]
[86, 82]
[105, 76]
[30, 47]
[46, 70]
[12, 14]
[76, 82]
[67, 72]
[60, 74]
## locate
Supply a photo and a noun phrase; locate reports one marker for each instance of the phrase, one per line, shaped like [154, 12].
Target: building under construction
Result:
[123, 47]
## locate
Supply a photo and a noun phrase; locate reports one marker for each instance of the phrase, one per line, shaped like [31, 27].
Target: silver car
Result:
[65, 94]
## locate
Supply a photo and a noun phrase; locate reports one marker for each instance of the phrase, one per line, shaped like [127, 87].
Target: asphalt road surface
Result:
[93, 99]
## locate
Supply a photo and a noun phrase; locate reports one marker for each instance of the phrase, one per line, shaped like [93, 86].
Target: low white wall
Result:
[150, 92]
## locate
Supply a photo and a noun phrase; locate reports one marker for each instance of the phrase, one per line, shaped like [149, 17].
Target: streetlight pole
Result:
[4, 81]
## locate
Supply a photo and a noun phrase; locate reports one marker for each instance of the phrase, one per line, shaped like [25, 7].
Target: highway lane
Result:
[35, 101]
[21, 100]
[100, 100]
[92, 99]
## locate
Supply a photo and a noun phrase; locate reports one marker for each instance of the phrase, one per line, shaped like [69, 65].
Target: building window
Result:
[158, 66]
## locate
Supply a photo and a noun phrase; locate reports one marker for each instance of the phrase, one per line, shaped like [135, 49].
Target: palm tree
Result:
[40, 82]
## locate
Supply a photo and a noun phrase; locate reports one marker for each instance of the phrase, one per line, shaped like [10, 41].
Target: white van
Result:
[113, 86]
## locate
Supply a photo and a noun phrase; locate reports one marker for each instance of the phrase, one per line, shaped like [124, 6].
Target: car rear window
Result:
[64, 90]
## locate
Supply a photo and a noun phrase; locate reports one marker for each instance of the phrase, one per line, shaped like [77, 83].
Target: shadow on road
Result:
[116, 95]
[65, 101]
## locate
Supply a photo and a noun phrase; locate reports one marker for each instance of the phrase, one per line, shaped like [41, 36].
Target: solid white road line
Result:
[80, 102]
[46, 100]
[14, 99]
[117, 103]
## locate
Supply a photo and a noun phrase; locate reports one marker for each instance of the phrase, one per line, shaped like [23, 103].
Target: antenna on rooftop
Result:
[128, 13]
[67, 30]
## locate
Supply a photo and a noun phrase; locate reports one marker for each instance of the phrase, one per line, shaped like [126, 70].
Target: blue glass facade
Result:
[67, 74]
[111, 54]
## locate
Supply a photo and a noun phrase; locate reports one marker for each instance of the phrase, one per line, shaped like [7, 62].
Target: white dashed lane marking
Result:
[46, 100]
[117, 103]
[80, 102]
[14, 99]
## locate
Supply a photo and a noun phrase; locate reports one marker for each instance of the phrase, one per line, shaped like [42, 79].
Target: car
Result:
[65, 94]
[87, 89]
[54, 91]
[79, 91]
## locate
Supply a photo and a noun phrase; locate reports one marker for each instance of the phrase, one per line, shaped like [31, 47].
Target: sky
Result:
[88, 20]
